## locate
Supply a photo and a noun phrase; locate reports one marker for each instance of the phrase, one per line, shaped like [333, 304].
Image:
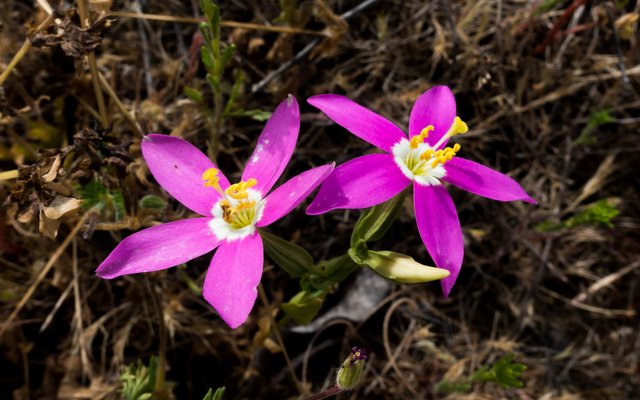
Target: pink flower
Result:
[421, 159]
[230, 213]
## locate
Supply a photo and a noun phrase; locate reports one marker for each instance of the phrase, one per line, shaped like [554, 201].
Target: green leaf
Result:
[207, 58]
[209, 9]
[304, 306]
[290, 257]
[138, 380]
[213, 81]
[504, 372]
[97, 196]
[599, 213]
[445, 386]
[207, 35]
[235, 91]
[257, 115]
[214, 396]
[329, 272]
[375, 221]
[194, 94]
[227, 54]
[508, 373]
[597, 118]
[152, 202]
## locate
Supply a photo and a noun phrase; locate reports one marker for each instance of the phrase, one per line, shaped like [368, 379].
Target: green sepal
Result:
[288, 256]
[375, 221]
[304, 306]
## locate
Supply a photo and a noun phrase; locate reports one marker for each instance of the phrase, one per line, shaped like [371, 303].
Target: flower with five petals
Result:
[422, 159]
[230, 214]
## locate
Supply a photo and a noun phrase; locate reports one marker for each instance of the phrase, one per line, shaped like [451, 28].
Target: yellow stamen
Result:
[442, 156]
[424, 133]
[211, 178]
[415, 142]
[427, 154]
[238, 190]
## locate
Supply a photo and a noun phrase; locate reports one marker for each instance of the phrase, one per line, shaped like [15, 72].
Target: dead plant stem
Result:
[158, 389]
[125, 114]
[227, 24]
[294, 378]
[93, 68]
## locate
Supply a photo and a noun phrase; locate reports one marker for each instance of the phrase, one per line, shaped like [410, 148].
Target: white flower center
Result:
[237, 218]
[419, 164]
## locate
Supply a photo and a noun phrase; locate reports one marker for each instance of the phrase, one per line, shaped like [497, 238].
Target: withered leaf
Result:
[74, 40]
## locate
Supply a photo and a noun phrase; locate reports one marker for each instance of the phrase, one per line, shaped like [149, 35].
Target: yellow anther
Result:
[427, 154]
[415, 142]
[417, 139]
[211, 179]
[238, 190]
[456, 148]
[458, 127]
[425, 132]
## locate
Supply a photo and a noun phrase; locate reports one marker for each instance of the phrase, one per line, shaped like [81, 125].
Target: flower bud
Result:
[351, 369]
[401, 268]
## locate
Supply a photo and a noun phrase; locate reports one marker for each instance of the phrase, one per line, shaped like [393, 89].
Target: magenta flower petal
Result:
[360, 183]
[358, 120]
[439, 229]
[436, 107]
[484, 181]
[287, 197]
[233, 277]
[178, 166]
[275, 146]
[159, 247]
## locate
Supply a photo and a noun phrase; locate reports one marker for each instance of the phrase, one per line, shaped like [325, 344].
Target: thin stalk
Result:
[292, 372]
[119, 105]
[24, 49]
[158, 388]
[332, 391]
[226, 24]
[93, 68]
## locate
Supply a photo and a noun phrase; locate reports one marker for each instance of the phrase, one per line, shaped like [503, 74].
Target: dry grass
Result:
[566, 303]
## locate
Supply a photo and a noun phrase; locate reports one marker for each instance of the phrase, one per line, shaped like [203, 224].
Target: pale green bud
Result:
[401, 268]
[351, 369]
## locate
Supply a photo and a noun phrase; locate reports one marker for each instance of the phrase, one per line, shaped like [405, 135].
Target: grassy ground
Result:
[549, 90]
